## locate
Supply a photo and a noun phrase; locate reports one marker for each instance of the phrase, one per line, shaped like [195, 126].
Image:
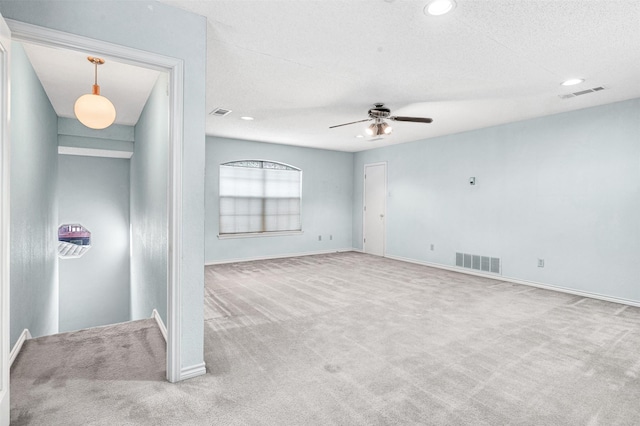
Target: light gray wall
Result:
[34, 210]
[564, 188]
[94, 289]
[149, 177]
[72, 133]
[326, 200]
[153, 27]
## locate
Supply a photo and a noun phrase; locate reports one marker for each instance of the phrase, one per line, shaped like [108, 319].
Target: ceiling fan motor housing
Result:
[379, 111]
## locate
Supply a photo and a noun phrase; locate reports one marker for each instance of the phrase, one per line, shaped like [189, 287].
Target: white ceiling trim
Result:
[35, 34]
[92, 152]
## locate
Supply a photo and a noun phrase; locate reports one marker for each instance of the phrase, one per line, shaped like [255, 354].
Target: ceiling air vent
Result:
[582, 92]
[220, 112]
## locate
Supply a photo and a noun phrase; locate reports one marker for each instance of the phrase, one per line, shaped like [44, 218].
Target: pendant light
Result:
[93, 110]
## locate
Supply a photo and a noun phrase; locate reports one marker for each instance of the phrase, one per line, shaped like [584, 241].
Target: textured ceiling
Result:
[300, 66]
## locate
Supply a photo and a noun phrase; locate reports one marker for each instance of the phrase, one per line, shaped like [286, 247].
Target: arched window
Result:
[259, 196]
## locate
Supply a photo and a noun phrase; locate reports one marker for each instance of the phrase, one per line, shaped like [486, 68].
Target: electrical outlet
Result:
[432, 247]
[319, 237]
[540, 263]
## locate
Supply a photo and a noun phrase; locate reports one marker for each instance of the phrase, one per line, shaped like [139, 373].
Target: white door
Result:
[375, 206]
[5, 44]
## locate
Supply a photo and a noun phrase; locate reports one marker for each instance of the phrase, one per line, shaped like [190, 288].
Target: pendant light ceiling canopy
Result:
[93, 110]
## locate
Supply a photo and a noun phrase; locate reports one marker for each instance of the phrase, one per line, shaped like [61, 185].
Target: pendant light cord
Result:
[95, 62]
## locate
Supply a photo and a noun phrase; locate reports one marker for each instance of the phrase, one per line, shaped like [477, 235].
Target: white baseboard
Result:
[163, 328]
[193, 371]
[277, 256]
[519, 281]
[24, 336]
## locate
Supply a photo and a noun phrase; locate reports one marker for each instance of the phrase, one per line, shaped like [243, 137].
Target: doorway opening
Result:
[169, 188]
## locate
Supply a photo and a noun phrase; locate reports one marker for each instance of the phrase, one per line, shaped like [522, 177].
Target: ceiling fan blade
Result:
[353, 122]
[412, 119]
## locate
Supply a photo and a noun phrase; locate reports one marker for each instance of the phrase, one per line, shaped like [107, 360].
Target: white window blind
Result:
[259, 196]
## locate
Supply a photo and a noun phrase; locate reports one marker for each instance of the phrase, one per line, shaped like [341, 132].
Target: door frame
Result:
[364, 203]
[23, 32]
[5, 262]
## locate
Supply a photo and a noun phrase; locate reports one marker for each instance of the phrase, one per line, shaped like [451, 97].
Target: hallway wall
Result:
[149, 220]
[34, 209]
[94, 289]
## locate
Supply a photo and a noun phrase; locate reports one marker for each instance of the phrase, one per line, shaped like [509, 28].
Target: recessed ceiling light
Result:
[439, 7]
[246, 118]
[572, 81]
[359, 136]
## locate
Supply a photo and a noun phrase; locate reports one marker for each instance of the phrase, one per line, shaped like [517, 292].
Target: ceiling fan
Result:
[379, 127]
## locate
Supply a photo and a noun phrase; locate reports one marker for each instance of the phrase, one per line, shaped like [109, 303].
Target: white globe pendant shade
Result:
[95, 111]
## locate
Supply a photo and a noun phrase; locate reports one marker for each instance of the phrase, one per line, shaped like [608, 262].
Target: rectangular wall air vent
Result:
[582, 92]
[479, 263]
[220, 112]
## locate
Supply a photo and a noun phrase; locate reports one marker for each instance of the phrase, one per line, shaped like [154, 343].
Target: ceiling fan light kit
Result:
[378, 129]
[94, 110]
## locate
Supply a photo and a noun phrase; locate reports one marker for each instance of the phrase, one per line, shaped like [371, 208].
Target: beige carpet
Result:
[351, 339]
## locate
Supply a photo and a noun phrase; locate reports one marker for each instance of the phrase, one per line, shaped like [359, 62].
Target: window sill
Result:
[258, 234]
